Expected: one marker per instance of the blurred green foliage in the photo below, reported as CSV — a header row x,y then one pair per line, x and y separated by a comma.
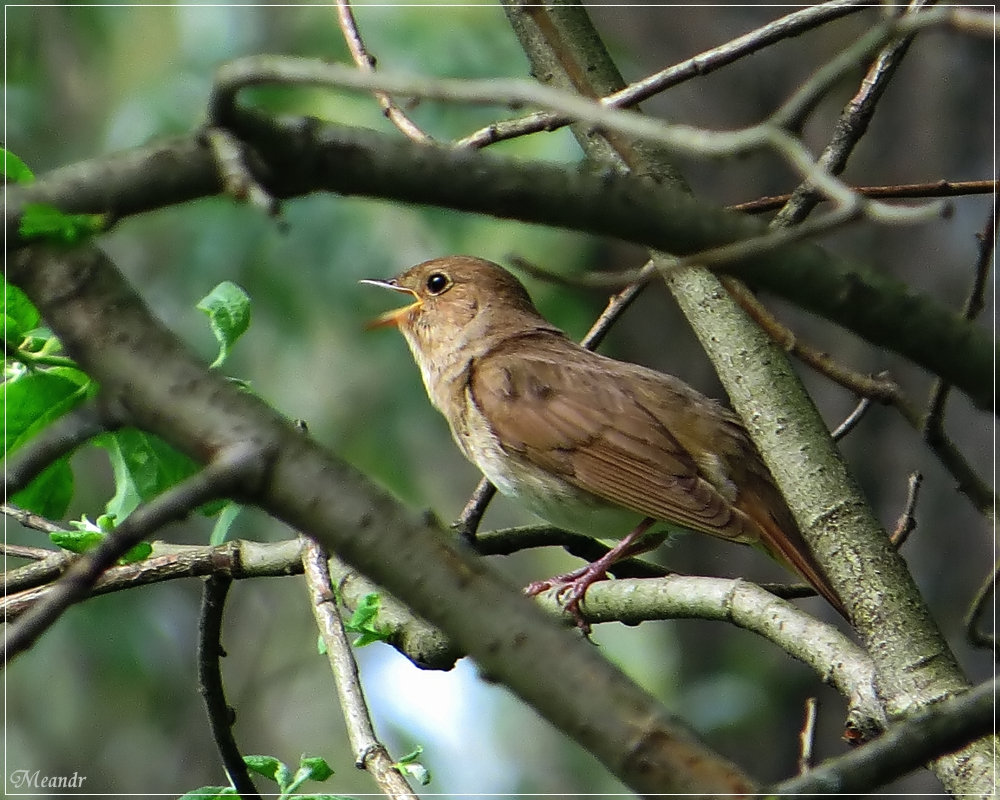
x,y
113,686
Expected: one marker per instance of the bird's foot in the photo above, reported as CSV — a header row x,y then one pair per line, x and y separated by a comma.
x,y
570,589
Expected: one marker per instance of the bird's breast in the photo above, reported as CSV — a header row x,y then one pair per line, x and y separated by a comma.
x,y
541,492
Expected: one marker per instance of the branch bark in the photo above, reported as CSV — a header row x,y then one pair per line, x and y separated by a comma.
x,y
296,157
202,414
915,666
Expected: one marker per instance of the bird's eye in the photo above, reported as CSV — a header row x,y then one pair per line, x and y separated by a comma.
x,y
437,282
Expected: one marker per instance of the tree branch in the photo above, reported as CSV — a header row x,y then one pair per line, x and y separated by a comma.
x,y
202,414
942,728
302,156
914,664
369,753
220,715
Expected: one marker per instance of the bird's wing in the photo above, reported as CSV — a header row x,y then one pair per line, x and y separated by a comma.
x,y
572,418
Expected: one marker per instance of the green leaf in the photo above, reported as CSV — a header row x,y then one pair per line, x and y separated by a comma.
x,y
35,399
228,309
362,621
49,494
144,465
227,515
44,221
268,766
410,767
14,169
19,308
315,767
79,541
87,535
139,552
32,400
209,793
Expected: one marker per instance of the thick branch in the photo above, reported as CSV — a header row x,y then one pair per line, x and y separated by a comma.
x,y
297,157
202,414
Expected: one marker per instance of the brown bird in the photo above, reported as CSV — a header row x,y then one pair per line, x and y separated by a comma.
x,y
591,444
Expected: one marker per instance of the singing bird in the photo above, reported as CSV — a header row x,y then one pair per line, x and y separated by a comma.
x,y
589,443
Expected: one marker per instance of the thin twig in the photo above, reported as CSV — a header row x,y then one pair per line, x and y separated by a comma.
x,y
986,592
370,753
851,420
468,521
702,64
366,63
877,387
941,188
220,714
30,520
218,478
907,521
257,70
236,558
933,423
940,728
853,122
237,181
807,736
22,551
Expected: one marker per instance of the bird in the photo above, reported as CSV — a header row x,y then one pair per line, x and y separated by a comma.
x,y
589,443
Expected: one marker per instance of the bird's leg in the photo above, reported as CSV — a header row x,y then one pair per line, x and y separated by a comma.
x,y
572,586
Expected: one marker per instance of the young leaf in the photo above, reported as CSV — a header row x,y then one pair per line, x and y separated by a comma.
x,y
143,465
228,309
14,169
209,793
315,767
268,766
44,221
362,621
79,541
410,767
19,309
32,400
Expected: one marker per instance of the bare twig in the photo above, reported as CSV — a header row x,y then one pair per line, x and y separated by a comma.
x,y
237,180
218,478
468,521
853,121
220,714
878,387
257,70
807,736
942,188
933,422
370,753
366,63
29,519
941,728
907,521
22,551
851,420
976,636
702,64
236,558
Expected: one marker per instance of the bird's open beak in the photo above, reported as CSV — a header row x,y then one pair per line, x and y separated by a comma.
x,y
395,316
